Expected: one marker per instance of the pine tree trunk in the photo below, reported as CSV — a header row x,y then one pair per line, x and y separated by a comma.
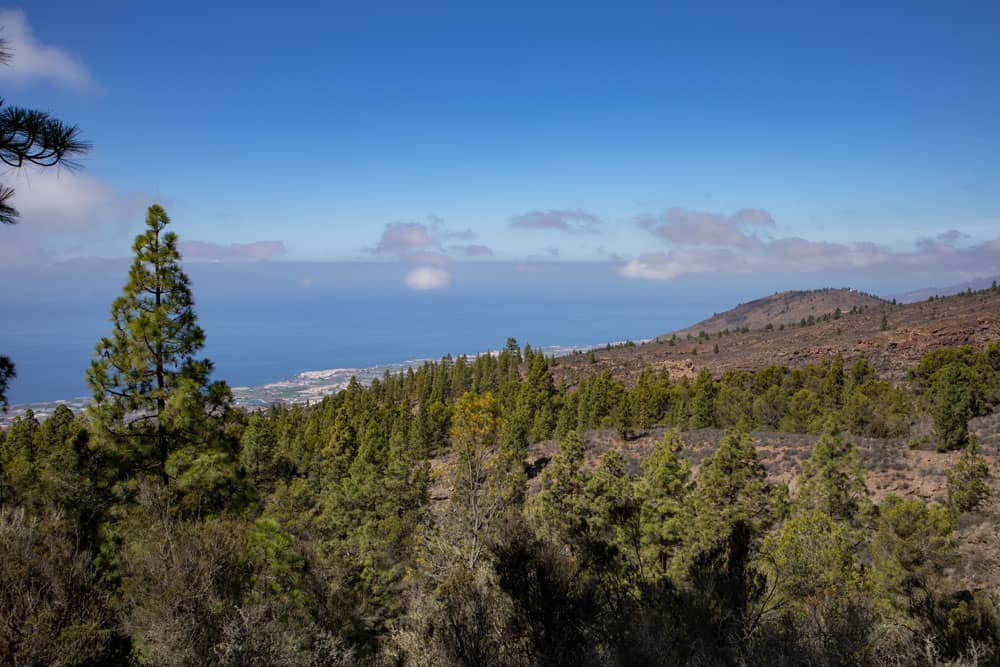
x,y
161,440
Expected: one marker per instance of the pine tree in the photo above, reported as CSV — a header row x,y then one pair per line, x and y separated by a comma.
x,y
661,490
832,479
153,402
484,479
623,416
953,402
613,545
31,137
367,521
703,404
968,480
257,450
913,545
833,386
560,506
17,458
732,488
812,555
804,411
8,371
536,399
645,401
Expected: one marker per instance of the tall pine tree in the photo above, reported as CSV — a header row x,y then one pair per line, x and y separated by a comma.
x,y
153,403
732,488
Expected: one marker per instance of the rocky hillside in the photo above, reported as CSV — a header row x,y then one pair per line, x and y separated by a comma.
x,y
784,308
891,337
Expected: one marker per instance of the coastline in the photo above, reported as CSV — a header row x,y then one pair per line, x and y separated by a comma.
x,y
307,386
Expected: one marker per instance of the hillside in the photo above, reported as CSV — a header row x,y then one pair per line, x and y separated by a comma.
x,y
891,337
892,467
950,290
786,308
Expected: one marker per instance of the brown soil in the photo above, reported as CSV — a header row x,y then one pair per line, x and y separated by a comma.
x,y
785,308
910,331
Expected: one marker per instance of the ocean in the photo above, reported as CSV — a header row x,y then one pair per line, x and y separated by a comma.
x,y
276,337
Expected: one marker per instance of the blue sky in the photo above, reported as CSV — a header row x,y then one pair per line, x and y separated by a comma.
x,y
853,144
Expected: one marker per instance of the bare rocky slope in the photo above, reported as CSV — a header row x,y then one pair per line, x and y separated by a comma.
x,y
783,308
891,337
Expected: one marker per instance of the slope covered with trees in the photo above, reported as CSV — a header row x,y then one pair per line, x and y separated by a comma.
x,y
402,523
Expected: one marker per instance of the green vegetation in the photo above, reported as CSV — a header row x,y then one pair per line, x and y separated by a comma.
x,y
154,410
396,523
832,479
968,480
8,371
957,384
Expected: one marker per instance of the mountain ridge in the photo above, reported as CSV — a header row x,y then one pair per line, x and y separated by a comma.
x,y
787,307
925,293
891,337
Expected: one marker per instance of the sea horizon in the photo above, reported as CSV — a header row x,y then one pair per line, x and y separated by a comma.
x,y
276,343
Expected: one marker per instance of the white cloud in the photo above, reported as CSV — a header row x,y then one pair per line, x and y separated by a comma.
x,y
419,243
427,278
401,238
64,201
67,213
33,60
216,251
563,220
703,242
687,227
796,255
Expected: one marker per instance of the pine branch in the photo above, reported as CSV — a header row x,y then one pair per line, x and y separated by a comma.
x,y
28,136
34,137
